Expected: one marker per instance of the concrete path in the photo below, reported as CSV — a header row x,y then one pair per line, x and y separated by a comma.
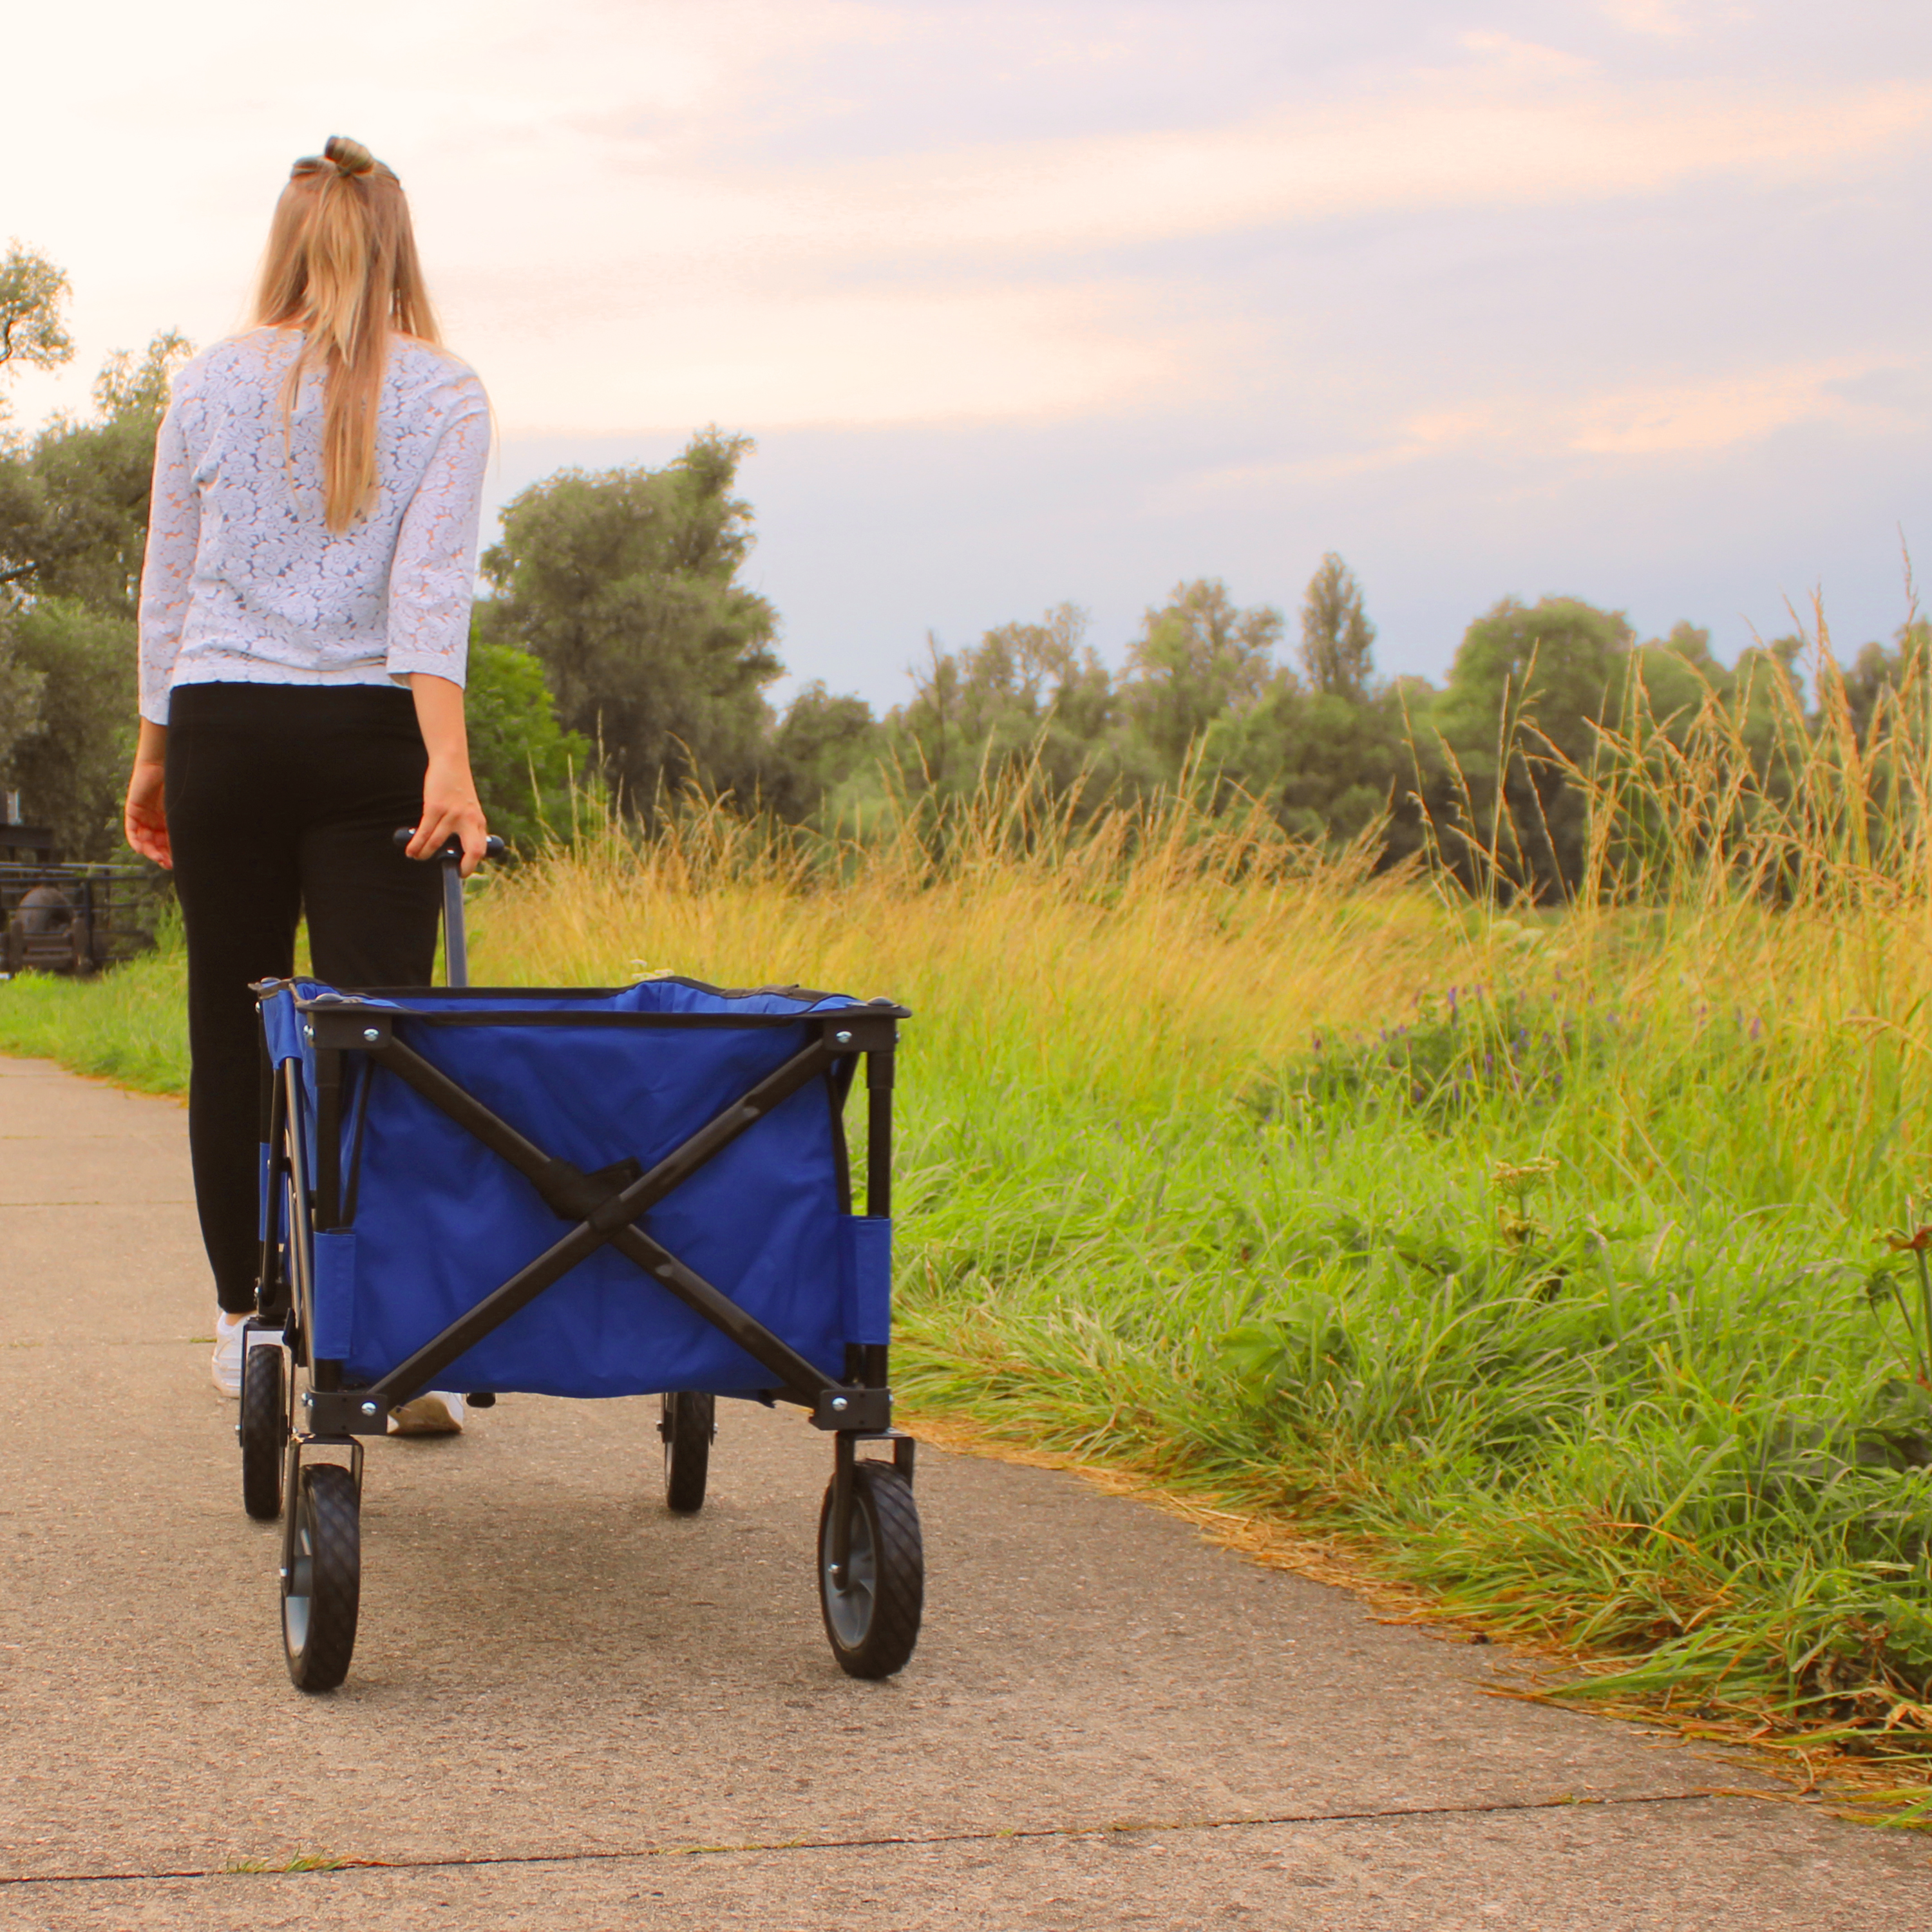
x,y
570,1709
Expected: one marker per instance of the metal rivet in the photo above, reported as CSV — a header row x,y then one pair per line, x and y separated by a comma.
x,y
839,1405
308,1399
843,1039
368,1409
370,1033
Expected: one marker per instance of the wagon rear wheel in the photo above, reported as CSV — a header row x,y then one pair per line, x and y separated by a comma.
x,y
688,1425
263,1428
872,1603
321,1586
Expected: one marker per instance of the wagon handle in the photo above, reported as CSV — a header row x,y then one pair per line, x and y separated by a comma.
x,y
455,948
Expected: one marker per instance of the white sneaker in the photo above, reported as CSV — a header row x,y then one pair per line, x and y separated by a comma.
x,y
226,1369
434,1412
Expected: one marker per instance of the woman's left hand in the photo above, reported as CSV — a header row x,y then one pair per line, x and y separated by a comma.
x,y
144,822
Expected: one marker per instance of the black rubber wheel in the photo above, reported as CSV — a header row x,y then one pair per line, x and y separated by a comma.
x,y
688,1424
872,1612
322,1588
263,1428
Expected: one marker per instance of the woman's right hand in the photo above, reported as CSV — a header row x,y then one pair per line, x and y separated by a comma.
x,y
450,811
145,821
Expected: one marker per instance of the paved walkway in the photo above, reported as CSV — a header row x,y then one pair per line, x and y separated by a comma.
x,y
569,1709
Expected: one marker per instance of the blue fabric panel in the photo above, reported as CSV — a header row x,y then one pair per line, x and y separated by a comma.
x,y
866,1244
440,1222
334,1295
282,1024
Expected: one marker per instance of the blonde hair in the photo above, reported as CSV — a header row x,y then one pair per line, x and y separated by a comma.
x,y
341,267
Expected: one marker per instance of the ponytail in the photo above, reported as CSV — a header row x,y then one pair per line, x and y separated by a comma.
x,y
341,267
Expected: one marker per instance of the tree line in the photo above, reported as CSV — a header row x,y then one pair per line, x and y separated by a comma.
x,y
617,646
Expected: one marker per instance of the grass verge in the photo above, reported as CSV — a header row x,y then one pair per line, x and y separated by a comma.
x,y
1538,1265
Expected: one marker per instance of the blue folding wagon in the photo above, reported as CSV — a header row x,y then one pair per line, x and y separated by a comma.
x,y
642,1191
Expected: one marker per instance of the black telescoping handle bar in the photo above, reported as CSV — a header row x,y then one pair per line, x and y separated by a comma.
x,y
455,946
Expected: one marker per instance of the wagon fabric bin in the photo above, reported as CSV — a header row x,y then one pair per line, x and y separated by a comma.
x,y
582,1194
435,1219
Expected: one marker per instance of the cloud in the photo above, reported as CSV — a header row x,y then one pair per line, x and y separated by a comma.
x,y
1663,18
1728,411
1515,124
855,358
634,221
1724,412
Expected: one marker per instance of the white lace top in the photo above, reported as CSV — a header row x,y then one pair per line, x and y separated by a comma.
x,y
244,582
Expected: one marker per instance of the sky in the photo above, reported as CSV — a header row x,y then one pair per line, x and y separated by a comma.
x,y
1060,301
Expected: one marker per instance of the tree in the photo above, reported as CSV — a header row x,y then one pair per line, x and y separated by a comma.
x,y
1026,694
1877,674
1559,666
1198,656
32,292
525,763
817,745
71,763
73,516
624,584
74,510
20,688
1337,640
1326,765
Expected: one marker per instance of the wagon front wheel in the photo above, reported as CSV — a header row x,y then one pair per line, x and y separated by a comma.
x,y
263,1428
872,1602
689,1423
322,1585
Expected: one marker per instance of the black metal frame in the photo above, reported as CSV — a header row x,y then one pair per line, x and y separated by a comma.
x,y
352,1038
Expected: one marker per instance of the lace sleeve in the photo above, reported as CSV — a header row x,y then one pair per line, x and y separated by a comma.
x,y
432,580
167,570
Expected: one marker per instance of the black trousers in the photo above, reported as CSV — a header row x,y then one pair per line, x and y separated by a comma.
x,y
283,800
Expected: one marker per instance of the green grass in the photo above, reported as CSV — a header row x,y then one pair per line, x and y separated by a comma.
x,y
1593,1360
1541,1263
129,1025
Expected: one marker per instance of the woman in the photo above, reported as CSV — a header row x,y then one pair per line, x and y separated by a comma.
x,y
304,625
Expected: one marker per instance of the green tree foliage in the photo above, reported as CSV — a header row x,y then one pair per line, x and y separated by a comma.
x,y
1025,695
1198,656
20,687
1562,665
620,636
1330,758
73,508
32,293
820,744
1878,672
74,515
525,763
70,765
624,584
1337,640
1327,766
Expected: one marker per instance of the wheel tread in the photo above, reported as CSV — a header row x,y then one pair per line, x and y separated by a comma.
x,y
262,1428
689,1418
335,1579
899,1600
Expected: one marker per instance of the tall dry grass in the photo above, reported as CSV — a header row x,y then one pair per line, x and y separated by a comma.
x,y
1147,951
1536,1253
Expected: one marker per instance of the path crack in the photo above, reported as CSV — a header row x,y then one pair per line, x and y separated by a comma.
x,y
1123,1828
